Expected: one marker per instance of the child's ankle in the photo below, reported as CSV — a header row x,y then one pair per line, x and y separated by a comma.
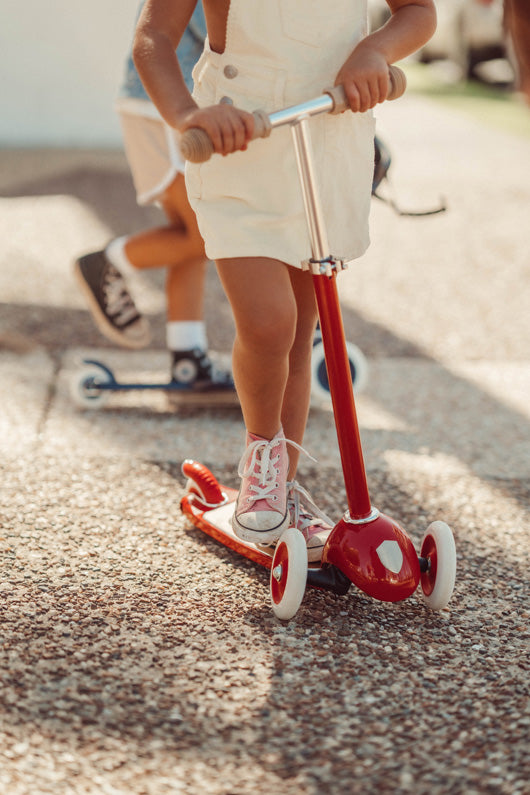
x,y
115,253
256,437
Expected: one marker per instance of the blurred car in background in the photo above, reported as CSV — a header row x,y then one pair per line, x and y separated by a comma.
x,y
469,32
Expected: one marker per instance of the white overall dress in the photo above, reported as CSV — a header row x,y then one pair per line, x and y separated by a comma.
x,y
249,204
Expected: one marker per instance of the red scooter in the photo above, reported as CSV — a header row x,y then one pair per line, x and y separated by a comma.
x,y
365,547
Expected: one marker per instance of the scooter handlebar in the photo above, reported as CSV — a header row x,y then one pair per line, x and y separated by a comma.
x,y
398,84
196,146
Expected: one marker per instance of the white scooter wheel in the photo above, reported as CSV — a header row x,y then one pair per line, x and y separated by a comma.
x,y
438,582
319,377
84,388
288,574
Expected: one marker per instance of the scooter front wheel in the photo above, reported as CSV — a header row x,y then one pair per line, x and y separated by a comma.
x,y
438,581
320,390
85,387
288,574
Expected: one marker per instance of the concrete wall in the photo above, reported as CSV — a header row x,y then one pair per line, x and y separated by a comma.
x,y
61,62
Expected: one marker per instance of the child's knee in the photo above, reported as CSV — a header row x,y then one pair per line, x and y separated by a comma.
x,y
189,236
272,331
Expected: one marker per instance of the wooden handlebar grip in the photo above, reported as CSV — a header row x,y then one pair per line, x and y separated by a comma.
x,y
196,146
398,84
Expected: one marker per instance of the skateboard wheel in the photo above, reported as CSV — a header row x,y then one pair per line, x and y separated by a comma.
x,y
319,376
84,387
438,582
288,574
203,484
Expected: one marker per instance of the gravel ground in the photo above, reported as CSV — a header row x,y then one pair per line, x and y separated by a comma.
x,y
139,657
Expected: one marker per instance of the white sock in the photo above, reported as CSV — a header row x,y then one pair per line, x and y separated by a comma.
x,y
115,252
184,335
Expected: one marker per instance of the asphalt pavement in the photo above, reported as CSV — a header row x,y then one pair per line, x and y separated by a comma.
x,y
139,657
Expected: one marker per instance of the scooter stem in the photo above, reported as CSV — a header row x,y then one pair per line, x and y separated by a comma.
x,y
340,385
332,329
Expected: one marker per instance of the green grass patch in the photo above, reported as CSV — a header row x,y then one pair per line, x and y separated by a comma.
x,y
495,107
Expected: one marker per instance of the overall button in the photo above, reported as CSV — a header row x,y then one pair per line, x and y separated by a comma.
x,y
230,71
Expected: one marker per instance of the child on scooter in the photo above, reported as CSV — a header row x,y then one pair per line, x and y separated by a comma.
x,y
269,54
158,172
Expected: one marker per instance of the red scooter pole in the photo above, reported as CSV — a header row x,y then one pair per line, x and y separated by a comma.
x,y
324,268
338,369
368,547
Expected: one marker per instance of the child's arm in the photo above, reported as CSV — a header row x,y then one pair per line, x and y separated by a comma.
x,y
365,74
159,30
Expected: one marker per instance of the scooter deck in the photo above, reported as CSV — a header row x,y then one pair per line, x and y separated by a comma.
x,y
180,394
216,522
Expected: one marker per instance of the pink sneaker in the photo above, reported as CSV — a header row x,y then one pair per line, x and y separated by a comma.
x,y
313,523
261,513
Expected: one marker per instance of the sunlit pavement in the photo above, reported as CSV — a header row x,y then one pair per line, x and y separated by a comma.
x,y
140,657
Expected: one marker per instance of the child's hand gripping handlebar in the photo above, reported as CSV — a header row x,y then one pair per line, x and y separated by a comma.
x,y
196,146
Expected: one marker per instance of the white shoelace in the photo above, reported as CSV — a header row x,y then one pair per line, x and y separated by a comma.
x,y
265,465
299,499
119,303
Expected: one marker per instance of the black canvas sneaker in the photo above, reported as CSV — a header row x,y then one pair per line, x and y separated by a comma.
x,y
196,370
110,303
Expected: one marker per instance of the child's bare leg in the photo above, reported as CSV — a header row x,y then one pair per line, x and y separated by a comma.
x,y
314,525
185,291
169,245
180,248
264,308
297,395
275,312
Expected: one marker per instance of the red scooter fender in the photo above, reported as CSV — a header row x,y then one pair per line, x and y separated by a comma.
x,y
376,555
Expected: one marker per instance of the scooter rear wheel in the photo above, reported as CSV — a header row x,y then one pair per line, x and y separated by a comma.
x,y
288,574
320,390
438,582
84,387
